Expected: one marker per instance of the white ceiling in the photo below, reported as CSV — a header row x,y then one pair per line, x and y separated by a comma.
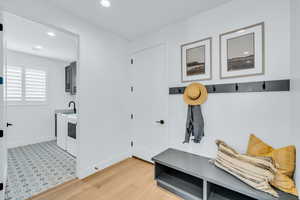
x,y
22,35
132,18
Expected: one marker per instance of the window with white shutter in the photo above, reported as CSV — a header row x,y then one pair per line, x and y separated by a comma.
x,y
35,85
13,81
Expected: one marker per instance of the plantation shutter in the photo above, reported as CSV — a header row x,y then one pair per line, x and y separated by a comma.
x,y
35,85
14,84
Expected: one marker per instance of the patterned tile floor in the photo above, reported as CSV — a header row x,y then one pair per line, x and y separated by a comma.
x,y
36,168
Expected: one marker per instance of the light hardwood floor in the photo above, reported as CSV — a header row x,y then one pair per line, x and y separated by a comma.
x,y
131,179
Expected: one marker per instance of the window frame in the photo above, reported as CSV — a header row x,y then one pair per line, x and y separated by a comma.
x,y
23,101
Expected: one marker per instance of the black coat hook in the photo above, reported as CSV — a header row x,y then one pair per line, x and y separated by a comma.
x,y
264,85
214,88
236,87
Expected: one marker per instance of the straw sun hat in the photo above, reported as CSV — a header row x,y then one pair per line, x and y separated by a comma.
x,y
195,94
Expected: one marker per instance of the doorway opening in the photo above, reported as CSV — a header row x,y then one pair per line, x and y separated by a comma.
x,y
41,81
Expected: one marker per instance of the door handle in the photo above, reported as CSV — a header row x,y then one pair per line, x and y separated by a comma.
x,y
160,122
8,124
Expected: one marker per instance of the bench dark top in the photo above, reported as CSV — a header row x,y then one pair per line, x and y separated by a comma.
x,y
200,167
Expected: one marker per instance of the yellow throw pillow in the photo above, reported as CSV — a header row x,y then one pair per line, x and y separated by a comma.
x,y
284,183
256,147
285,161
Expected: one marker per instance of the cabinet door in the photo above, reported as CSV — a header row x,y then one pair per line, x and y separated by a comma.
x,y
68,71
73,78
62,131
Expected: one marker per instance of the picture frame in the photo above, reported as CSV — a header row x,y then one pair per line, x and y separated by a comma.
x,y
242,52
196,60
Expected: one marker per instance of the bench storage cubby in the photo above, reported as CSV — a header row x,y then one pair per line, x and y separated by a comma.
x,y
193,177
182,184
221,193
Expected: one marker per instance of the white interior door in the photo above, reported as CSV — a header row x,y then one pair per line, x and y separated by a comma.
x,y
149,98
3,160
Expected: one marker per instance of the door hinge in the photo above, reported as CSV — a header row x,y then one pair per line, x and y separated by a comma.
x,y
1,27
131,144
131,116
1,186
1,133
131,61
131,88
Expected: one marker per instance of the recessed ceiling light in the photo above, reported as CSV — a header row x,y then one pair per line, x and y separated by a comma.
x,y
37,47
242,31
51,34
105,3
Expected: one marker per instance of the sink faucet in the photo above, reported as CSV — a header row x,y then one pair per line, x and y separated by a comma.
x,y
74,105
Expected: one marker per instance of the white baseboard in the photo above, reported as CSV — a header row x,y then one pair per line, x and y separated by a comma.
x,y
12,144
103,164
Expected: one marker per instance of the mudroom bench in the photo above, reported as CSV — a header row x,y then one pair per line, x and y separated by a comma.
x,y
193,177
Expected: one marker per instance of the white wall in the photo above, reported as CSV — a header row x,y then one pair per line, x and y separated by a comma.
x,y
35,123
295,71
102,84
231,117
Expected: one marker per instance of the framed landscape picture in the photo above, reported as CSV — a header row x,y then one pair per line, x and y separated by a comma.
x,y
242,52
196,60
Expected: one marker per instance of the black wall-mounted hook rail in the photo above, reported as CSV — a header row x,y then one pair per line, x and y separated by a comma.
x,y
260,86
